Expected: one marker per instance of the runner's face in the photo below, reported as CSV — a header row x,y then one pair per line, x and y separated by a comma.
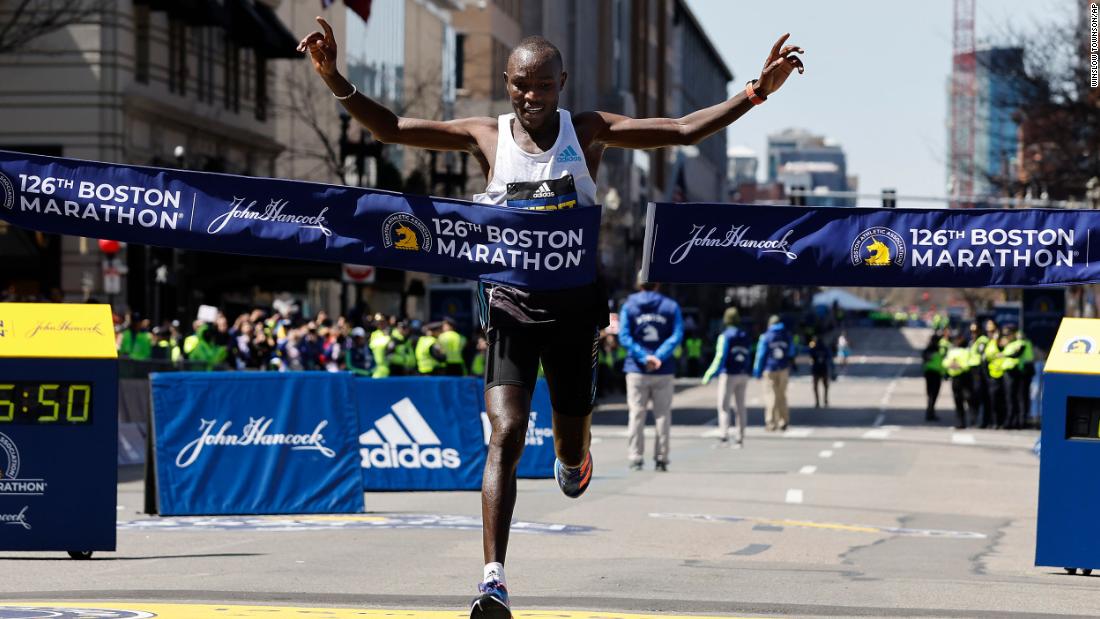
x,y
534,83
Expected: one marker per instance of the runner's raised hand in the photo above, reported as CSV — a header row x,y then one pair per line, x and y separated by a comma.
x,y
779,65
321,48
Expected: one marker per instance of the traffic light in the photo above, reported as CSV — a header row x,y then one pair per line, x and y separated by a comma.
x,y
798,195
889,198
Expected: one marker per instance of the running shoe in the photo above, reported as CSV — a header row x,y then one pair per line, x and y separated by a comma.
x,y
492,603
573,482
661,466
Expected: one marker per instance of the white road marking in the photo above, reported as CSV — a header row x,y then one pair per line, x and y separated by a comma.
x,y
963,439
798,432
809,469
794,495
838,444
825,453
880,433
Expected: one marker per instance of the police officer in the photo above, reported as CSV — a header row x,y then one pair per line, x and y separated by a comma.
x,y
995,372
453,344
732,365
933,373
1012,362
430,357
774,358
477,365
403,354
956,364
1027,363
979,378
693,347
381,347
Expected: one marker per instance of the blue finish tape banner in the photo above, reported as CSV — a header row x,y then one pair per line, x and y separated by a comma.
x,y
420,433
297,219
538,457
790,245
256,443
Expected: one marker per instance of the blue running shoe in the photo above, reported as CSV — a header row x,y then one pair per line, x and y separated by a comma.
x,y
573,482
492,603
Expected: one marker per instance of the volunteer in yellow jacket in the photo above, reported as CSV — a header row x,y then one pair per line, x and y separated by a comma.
x,y
539,156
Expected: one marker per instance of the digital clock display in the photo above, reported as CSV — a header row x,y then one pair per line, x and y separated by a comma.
x,y
45,403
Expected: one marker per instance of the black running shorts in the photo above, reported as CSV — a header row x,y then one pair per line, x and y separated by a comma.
x,y
568,354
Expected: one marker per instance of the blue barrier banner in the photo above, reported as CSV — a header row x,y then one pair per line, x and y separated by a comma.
x,y
256,443
791,245
538,451
297,219
420,433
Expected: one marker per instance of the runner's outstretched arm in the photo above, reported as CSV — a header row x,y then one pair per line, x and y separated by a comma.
x,y
384,125
625,132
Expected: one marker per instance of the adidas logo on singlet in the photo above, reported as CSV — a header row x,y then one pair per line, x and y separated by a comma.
x,y
569,154
543,191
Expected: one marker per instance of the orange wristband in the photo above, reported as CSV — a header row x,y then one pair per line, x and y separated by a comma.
x,y
751,94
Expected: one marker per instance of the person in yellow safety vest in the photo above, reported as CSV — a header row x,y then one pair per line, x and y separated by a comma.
x,y
956,366
381,347
693,345
164,349
136,342
477,366
1027,363
994,363
402,359
1014,377
430,357
932,356
453,343
979,378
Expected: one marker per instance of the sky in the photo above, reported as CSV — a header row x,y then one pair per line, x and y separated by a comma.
x,y
875,81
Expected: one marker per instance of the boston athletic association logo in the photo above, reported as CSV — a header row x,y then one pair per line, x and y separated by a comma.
x,y
10,463
405,231
878,247
1080,345
7,193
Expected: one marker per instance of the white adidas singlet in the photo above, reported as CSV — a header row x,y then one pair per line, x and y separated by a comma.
x,y
513,164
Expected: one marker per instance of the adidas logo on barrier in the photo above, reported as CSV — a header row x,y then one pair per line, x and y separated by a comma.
x,y
543,191
569,154
404,440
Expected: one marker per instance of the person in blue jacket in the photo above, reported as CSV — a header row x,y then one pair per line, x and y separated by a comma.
x,y
774,358
650,329
732,363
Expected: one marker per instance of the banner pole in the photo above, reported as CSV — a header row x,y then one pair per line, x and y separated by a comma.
x,y
650,237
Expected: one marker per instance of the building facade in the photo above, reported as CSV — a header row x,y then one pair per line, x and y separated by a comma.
x,y
179,84
800,159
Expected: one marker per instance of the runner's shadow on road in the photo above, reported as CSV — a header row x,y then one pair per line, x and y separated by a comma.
x,y
62,557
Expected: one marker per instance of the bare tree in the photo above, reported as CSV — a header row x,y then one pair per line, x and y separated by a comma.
x,y
1056,110
301,103
22,21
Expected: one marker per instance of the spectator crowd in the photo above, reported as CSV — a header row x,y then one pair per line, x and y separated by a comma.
x,y
262,340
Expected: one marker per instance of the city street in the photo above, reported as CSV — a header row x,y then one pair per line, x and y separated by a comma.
x,y
857,510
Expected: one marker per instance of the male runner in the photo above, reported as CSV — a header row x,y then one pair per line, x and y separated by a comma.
x,y
538,157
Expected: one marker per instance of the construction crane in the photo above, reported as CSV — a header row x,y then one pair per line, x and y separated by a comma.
x,y
964,94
